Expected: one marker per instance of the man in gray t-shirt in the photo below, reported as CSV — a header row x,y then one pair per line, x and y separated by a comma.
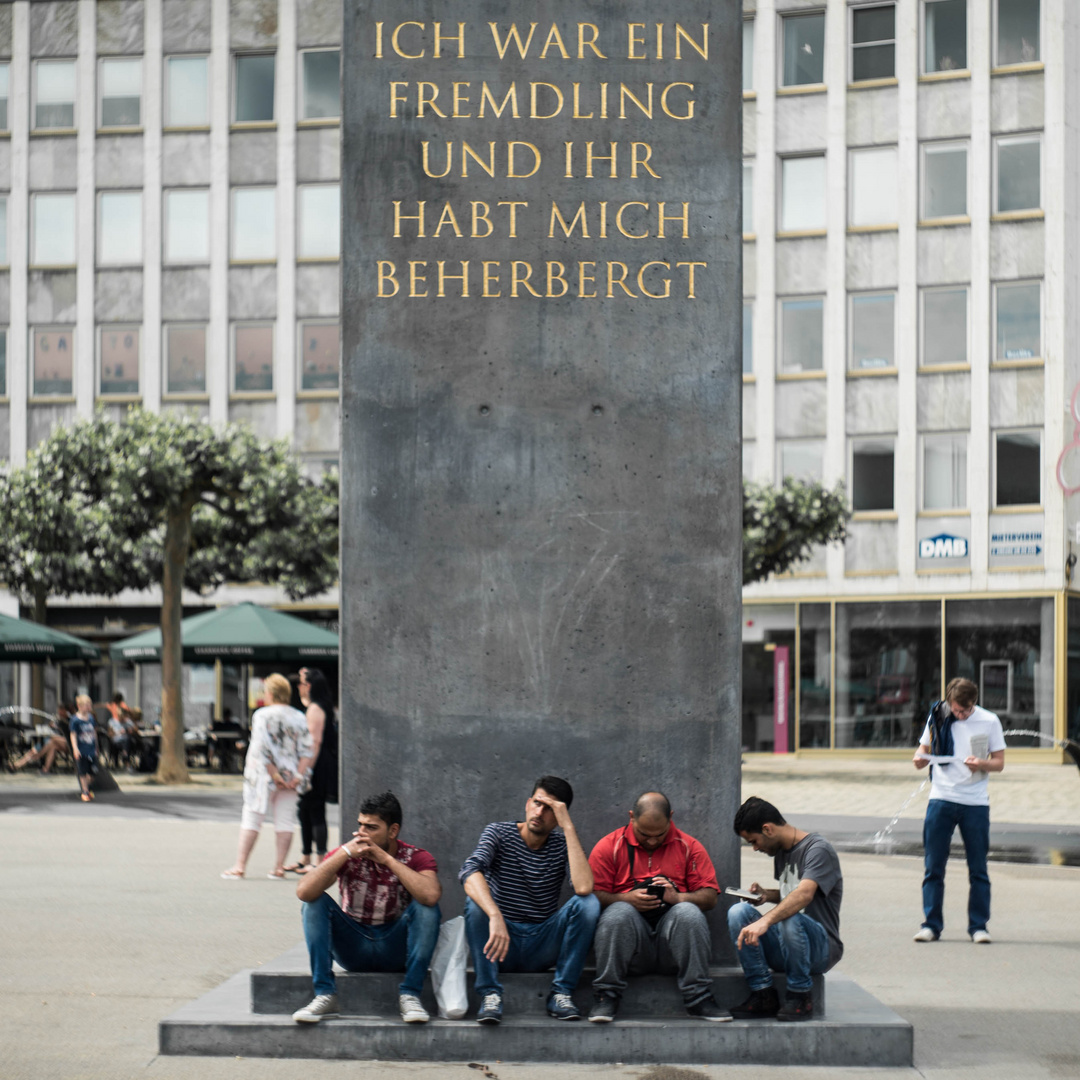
x,y
800,936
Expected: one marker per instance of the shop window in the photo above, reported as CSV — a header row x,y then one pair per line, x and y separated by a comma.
x,y
54,94
873,186
254,224
187,91
873,331
802,195
1017,468
748,54
766,629
801,335
121,92
118,350
801,459
888,671
747,198
944,187
815,677
944,471
5,82
1018,316
319,227
320,84
53,240
320,355
1017,171
253,358
748,338
873,42
54,361
1017,31
254,87
804,49
945,35
872,474
185,359
944,326
1006,647
120,228
187,225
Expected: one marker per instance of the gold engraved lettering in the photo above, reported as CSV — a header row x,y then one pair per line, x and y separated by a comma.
x,y
513,216
568,175
447,218
556,275
577,104
613,157
378,41
612,280
690,271
582,40
416,279
689,115
641,281
511,163
659,41
579,218
426,162
490,280
459,37
684,217
386,276
515,280
468,152
603,221
459,100
621,228
511,97
681,35
478,216
554,38
603,101
421,100
635,161
397,47
513,34
634,40
625,93
418,217
583,279
532,111
463,277
395,97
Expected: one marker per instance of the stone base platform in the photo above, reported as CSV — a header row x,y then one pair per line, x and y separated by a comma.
x,y
249,1015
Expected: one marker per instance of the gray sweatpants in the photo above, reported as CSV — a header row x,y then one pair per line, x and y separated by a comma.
x,y
625,944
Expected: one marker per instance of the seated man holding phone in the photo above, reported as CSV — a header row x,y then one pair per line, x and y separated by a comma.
x,y
654,884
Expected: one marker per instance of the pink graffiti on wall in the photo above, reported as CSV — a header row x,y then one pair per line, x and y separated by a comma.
x,y
1071,487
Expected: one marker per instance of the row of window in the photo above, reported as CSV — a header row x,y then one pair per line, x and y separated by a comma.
x,y
184,358
187,90
943,41
185,233
874,178
944,329
943,478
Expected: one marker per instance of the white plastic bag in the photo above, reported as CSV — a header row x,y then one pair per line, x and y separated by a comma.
x,y
448,969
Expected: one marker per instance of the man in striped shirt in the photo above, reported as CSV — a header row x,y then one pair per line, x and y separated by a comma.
x,y
512,916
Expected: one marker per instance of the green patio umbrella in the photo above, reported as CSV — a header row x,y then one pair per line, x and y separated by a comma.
x,y
246,634
22,640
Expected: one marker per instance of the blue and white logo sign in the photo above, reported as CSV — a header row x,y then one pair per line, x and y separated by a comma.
x,y
943,546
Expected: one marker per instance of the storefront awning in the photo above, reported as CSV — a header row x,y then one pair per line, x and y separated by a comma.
x,y
31,642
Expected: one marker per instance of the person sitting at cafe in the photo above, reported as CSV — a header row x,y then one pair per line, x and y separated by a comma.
x,y
57,743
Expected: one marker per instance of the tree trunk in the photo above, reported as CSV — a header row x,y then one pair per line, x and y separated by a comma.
x,y
37,671
172,765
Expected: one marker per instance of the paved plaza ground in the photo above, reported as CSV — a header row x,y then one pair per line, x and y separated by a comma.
x,y
114,916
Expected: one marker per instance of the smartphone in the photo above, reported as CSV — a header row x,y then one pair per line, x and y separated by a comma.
x,y
655,890
743,893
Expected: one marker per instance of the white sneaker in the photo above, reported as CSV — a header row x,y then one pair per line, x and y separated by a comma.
x,y
412,1012
321,1007
925,934
981,937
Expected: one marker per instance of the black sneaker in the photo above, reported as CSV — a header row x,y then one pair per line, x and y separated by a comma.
x,y
797,1007
562,1007
605,1006
707,1009
760,1005
490,1011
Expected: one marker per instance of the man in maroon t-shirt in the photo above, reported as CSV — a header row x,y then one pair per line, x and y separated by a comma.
x,y
389,914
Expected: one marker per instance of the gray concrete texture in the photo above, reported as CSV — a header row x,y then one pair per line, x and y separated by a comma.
x,y
541,497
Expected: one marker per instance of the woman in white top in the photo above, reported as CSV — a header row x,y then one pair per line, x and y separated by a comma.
x,y
276,771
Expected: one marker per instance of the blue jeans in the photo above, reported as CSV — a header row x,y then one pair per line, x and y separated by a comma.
x,y
562,941
798,946
406,944
942,817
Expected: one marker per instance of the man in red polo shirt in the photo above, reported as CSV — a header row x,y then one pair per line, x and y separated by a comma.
x,y
654,884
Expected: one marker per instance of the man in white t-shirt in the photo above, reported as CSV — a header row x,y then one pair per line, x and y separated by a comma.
x,y
963,744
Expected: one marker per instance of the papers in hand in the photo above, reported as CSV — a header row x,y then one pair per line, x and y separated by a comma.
x,y
939,759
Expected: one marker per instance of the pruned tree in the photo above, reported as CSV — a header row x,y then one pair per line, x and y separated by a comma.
x,y
782,525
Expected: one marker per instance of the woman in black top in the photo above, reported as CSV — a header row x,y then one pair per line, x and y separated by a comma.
x,y
315,696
